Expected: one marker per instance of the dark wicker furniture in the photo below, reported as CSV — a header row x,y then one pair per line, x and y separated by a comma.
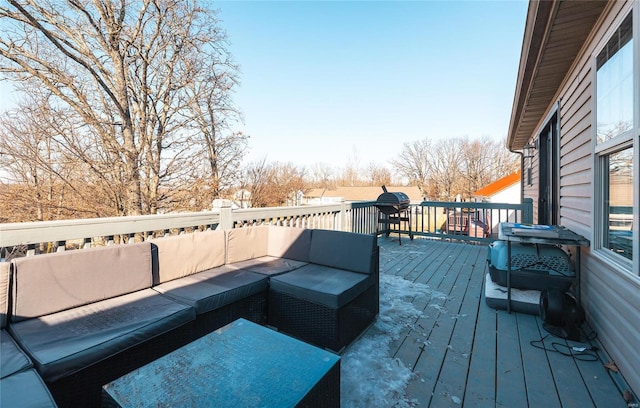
x,y
331,301
87,317
241,365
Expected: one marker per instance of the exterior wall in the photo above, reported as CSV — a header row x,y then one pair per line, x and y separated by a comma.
x,y
610,296
510,194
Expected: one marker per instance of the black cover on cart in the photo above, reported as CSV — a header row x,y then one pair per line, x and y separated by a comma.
x,y
541,263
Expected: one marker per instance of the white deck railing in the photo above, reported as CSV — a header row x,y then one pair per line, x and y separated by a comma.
x,y
29,238
433,219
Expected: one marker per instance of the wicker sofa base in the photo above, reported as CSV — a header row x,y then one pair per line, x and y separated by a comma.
x,y
263,250
253,308
329,328
84,388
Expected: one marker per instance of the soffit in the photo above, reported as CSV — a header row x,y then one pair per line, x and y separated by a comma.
x,y
555,31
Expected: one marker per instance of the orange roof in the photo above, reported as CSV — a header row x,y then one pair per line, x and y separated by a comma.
x,y
498,185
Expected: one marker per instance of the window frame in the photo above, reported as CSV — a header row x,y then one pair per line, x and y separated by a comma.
x,y
601,151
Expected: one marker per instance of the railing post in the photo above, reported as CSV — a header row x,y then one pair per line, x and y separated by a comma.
x,y
342,215
527,211
226,218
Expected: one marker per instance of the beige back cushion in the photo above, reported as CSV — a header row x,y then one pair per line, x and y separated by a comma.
x,y
184,255
4,292
289,242
46,284
247,243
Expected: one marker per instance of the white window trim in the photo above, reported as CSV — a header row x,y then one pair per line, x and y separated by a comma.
x,y
636,127
627,139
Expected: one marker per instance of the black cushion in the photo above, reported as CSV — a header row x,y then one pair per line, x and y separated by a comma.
x,y
65,342
208,290
328,286
25,389
12,359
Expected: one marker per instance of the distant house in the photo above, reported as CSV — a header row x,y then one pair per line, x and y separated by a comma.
x,y
359,193
504,190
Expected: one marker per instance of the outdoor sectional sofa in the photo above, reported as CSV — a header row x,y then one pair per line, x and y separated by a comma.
x,y
86,317
20,384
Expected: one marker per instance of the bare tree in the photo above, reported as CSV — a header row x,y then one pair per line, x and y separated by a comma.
x,y
351,173
484,161
254,179
273,184
445,169
378,175
39,172
125,72
220,148
449,167
413,163
322,175
287,181
32,167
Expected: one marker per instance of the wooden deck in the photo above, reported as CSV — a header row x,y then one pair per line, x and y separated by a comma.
x,y
464,353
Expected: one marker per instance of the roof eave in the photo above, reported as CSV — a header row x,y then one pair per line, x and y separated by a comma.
x,y
541,72
536,27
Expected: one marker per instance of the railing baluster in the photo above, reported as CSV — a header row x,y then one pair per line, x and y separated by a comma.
x,y
461,223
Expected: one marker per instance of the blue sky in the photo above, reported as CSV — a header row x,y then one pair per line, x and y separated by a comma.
x,y
340,82
330,81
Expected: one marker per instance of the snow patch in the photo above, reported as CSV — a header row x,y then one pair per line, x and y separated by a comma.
x,y
370,376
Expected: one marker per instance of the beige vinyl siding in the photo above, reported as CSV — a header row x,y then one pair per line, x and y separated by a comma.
x,y
610,295
576,152
611,302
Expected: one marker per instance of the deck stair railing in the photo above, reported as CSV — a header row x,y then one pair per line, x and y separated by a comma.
x,y
431,219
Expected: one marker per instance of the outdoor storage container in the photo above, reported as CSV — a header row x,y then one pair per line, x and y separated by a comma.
x,y
536,266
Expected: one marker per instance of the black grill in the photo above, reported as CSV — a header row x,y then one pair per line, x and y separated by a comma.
x,y
394,209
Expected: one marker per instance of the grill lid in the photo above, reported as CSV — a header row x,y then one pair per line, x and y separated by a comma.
x,y
393,198
396,198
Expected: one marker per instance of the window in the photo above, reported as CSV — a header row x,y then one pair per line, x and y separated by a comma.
x,y
618,202
615,84
616,147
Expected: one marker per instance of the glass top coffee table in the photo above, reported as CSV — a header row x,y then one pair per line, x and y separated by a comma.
x,y
240,365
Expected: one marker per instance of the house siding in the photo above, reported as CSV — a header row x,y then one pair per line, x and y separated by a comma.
x,y
610,295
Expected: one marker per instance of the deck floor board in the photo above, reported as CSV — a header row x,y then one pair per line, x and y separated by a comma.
x,y
481,376
464,353
541,390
